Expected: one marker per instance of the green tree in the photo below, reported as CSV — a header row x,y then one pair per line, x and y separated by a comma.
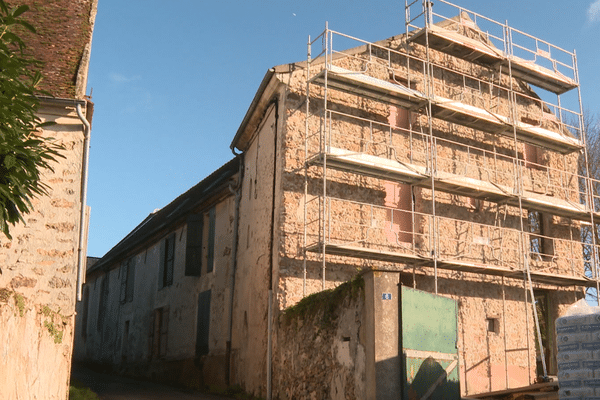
x,y
24,153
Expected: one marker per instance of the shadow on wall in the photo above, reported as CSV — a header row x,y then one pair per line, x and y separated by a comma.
x,y
430,374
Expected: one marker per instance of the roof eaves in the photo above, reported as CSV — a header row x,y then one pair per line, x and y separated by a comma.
x,y
169,215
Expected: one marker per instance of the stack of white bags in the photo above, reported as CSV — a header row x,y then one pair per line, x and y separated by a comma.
x,y
578,342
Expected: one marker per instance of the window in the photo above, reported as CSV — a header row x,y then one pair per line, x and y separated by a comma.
x,y
399,223
86,305
127,280
474,204
203,324
167,261
541,247
493,324
533,157
210,250
125,348
193,251
159,327
399,118
102,302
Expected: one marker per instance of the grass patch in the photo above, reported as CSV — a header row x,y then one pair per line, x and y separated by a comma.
x,y
20,303
77,391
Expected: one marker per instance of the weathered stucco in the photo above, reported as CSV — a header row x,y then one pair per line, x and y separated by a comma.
x,y
124,340
284,190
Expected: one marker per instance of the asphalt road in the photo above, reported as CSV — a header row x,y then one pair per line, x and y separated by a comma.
x,y
114,387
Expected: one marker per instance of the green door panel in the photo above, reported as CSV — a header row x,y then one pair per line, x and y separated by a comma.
x,y
428,337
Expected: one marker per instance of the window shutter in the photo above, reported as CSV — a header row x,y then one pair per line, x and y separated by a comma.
x,y
102,303
123,272
170,261
203,327
161,265
193,251
156,332
210,252
86,305
130,279
151,335
164,330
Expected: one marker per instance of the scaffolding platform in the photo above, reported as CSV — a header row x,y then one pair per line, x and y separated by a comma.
x,y
446,109
385,168
459,45
447,264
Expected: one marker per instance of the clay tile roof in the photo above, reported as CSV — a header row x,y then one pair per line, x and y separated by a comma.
x,y
63,42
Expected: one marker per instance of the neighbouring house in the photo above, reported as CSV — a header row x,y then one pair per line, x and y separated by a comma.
x,y
425,177
39,266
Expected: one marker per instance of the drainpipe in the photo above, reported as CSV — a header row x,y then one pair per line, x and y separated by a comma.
x,y
84,180
237,191
275,102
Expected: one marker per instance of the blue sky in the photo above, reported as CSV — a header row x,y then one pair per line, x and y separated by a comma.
x,y
172,81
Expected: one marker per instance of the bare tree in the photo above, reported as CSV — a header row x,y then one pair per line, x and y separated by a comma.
x,y
591,130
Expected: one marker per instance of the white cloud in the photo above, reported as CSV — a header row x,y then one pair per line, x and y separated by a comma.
x,y
120,78
593,12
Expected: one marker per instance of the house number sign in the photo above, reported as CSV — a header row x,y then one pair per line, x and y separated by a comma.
x,y
386,296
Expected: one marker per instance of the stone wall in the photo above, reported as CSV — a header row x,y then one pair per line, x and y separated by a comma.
x,y
320,348
38,274
467,230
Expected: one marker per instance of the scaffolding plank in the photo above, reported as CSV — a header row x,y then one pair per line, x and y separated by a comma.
x,y
366,164
461,46
457,45
377,89
385,168
539,76
452,265
446,109
481,119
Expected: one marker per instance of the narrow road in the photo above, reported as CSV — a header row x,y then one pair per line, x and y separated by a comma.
x,y
114,387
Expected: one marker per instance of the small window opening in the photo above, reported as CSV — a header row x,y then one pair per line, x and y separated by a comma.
x,y
492,324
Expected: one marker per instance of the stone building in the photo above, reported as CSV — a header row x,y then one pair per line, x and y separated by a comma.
x,y
432,166
38,267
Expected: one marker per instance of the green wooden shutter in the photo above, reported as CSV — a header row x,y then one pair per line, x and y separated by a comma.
x,y
102,302
170,259
203,326
164,331
123,272
193,251
130,279
210,251
161,265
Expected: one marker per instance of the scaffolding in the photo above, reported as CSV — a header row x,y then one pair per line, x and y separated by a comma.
x,y
473,130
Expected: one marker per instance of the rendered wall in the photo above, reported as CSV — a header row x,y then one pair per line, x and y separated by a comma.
x,y
250,322
132,353
38,275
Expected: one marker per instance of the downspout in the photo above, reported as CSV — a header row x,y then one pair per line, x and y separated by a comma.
x,y
84,181
275,102
237,191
